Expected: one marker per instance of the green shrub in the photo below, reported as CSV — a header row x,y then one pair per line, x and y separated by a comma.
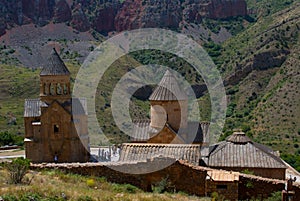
x,y
161,186
246,171
9,198
275,197
128,188
85,198
17,169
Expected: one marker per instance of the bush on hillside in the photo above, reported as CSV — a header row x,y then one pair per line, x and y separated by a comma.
x,y
17,169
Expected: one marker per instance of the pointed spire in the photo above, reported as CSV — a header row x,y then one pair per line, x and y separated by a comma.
x,y
168,89
54,65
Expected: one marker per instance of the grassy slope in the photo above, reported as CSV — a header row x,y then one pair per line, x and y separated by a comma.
x,y
16,85
263,103
266,101
55,185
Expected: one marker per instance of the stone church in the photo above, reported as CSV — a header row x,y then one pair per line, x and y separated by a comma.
x,y
168,133
55,123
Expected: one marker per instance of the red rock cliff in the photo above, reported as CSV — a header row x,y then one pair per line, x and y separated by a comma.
x,y
112,15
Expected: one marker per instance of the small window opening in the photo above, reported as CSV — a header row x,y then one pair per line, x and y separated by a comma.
x,y
221,186
59,89
65,89
56,128
52,89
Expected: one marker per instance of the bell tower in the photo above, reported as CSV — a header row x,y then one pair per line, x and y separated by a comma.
x,y
169,104
55,80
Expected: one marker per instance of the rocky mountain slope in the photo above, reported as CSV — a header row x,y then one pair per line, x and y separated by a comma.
x,y
258,55
114,15
261,70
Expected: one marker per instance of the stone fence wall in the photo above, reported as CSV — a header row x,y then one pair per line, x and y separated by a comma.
x,y
181,175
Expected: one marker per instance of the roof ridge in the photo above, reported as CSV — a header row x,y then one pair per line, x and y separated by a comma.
x,y
278,159
54,65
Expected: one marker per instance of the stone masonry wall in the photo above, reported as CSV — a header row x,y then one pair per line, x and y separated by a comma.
x,y
257,187
181,176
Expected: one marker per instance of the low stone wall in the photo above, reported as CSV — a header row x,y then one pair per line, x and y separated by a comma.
x,y
275,173
296,188
258,187
181,175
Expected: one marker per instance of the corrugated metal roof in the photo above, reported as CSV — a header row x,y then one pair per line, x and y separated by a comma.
x,y
32,107
143,151
168,89
248,154
142,131
54,65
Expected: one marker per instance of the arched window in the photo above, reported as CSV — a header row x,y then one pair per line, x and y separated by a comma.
x,y
45,89
52,89
56,128
59,89
65,89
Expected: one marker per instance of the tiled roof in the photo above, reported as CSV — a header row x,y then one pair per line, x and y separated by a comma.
x,y
238,138
54,65
142,131
237,151
168,89
221,175
32,107
144,151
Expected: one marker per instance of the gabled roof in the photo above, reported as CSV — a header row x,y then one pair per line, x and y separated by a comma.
x,y
168,89
142,131
32,107
143,151
239,151
54,65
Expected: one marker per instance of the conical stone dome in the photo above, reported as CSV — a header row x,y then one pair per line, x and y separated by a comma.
x,y
55,65
168,89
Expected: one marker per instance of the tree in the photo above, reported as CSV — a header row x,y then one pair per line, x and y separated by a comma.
x,y
6,138
17,169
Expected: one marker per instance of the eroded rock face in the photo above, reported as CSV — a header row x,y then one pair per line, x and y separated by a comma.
x,y
218,9
62,12
112,15
262,61
148,13
105,21
39,11
79,19
2,27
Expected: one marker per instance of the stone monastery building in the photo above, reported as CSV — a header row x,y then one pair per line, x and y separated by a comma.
x,y
170,134
56,124
56,130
